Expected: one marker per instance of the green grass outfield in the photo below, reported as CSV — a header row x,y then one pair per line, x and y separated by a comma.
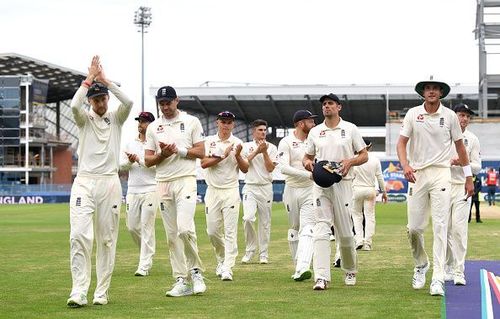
x,y
35,278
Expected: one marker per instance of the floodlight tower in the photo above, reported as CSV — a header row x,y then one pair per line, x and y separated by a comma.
x,y
143,20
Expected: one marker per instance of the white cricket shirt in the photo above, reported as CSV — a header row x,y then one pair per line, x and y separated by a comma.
x,y
369,174
431,136
257,173
335,144
291,152
471,143
99,137
225,173
184,130
141,179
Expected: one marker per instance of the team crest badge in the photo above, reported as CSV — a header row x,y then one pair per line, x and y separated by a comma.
x,y
182,127
441,121
342,133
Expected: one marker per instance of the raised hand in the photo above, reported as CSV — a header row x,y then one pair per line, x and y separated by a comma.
x,y
94,69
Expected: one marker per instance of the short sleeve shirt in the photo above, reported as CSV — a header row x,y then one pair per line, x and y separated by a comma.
x,y
185,130
225,173
257,172
431,136
335,144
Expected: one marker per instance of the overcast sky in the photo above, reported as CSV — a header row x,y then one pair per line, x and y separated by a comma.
x,y
258,41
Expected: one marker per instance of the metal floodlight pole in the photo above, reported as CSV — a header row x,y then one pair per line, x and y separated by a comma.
x,y
143,20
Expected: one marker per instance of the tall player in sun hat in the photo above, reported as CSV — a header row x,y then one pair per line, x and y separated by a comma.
x,y
141,201
222,199
297,195
259,160
96,193
334,140
428,133
173,142
459,209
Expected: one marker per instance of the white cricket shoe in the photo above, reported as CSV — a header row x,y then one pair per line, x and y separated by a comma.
x,y
321,284
77,301
263,260
350,279
141,273
459,279
180,289
248,256
218,269
100,300
301,275
418,281
437,288
226,275
448,276
199,286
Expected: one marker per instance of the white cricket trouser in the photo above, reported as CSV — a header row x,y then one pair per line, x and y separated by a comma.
x,y
141,216
430,195
178,205
222,207
257,199
363,198
299,206
333,204
100,196
457,229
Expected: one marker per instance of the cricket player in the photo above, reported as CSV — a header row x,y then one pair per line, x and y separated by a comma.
x,y
430,130
173,142
364,191
142,201
222,199
259,161
338,141
297,195
96,193
460,204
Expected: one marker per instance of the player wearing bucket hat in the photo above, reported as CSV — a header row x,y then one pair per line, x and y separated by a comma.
x,y
420,87
429,176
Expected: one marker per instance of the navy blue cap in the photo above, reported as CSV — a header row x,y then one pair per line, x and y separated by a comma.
x,y
97,89
330,96
226,115
166,93
463,108
302,115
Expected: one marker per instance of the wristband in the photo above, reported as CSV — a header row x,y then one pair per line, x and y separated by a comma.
x,y
86,84
182,151
467,170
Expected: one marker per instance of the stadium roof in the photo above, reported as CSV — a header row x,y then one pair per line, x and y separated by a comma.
x,y
364,105
63,82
